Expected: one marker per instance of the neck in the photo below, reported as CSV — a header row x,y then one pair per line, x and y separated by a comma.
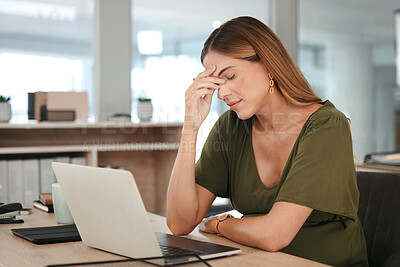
x,y
278,115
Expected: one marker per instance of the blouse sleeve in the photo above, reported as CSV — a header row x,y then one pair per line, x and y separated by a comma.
x,y
323,176
211,170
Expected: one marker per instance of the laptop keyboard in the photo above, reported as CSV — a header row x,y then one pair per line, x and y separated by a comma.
x,y
175,251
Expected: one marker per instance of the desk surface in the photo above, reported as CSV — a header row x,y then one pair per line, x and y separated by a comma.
x,y
377,168
15,251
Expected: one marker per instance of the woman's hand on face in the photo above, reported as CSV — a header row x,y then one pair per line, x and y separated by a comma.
x,y
208,225
198,98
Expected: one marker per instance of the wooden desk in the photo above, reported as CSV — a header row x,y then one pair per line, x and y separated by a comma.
x,y
16,252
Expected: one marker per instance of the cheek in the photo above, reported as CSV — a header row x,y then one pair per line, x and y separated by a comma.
x,y
260,89
254,81
254,91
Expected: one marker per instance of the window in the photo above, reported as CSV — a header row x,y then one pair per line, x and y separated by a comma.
x,y
346,50
45,46
40,73
184,26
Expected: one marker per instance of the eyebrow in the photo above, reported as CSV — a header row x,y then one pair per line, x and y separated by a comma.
x,y
224,69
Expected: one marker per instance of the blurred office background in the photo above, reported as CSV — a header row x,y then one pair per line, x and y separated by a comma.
x,y
346,48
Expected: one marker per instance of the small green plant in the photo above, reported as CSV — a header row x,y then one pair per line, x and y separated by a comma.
x,y
142,99
4,99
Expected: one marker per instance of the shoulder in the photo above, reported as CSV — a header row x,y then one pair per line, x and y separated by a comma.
x,y
327,116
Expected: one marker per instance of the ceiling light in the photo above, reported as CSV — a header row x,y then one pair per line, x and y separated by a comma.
x,y
216,24
38,10
150,42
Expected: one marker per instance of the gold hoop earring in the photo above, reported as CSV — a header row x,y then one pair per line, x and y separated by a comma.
x,y
271,83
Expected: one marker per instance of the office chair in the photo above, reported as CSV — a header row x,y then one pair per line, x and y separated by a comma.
x,y
379,213
218,209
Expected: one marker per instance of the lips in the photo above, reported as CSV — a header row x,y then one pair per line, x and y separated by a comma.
x,y
233,103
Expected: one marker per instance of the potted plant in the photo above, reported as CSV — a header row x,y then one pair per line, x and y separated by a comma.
x,y
144,109
5,109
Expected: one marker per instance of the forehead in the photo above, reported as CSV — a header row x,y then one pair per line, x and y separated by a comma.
x,y
220,60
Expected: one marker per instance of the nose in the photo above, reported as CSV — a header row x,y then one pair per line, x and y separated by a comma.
x,y
223,92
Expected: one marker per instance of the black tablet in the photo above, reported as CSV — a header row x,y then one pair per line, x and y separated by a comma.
x,y
49,234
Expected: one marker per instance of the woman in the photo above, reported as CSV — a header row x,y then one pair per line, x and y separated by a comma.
x,y
281,155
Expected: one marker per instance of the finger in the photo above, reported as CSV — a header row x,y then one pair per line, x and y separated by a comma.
x,y
205,84
207,72
202,226
195,95
205,91
202,86
208,98
213,79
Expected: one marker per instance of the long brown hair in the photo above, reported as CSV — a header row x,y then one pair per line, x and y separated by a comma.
x,y
249,39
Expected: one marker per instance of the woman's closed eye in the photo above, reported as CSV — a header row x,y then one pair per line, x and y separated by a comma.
x,y
231,77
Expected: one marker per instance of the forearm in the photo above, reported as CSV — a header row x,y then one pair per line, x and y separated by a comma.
x,y
270,232
182,195
253,231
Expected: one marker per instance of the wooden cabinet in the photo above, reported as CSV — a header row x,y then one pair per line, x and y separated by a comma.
x,y
148,150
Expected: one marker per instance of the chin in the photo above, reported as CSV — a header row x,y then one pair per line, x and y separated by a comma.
x,y
243,116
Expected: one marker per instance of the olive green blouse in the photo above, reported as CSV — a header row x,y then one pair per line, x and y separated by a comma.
x,y
319,174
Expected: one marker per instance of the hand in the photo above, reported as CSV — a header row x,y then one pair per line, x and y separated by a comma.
x,y
208,225
198,98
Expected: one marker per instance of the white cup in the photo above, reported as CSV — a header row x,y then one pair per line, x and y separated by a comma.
x,y
63,215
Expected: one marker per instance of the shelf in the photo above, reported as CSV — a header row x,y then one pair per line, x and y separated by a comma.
x,y
79,125
40,149
155,146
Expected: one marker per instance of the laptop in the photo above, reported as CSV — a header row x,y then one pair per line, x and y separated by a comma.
x,y
110,215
